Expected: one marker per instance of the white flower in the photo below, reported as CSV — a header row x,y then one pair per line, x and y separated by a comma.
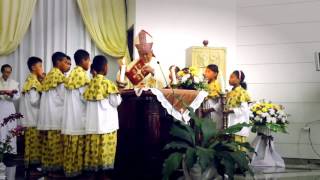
x,y
269,119
257,118
274,120
272,111
196,79
264,115
185,78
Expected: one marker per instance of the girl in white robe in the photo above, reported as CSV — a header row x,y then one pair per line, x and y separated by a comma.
x,y
237,105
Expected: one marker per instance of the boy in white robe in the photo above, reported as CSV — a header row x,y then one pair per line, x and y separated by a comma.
x,y
50,115
103,98
29,107
74,111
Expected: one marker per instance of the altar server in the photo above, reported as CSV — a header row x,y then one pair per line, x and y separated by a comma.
x,y
74,111
29,107
50,115
212,105
103,98
237,104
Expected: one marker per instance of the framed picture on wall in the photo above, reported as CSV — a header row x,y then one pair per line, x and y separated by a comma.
x,y
317,60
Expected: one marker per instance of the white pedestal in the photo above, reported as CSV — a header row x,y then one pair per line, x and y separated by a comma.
x,y
266,155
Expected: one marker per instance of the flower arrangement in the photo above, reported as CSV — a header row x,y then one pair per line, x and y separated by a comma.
x,y
5,146
190,78
268,115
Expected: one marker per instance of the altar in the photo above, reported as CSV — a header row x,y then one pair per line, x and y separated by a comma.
x,y
145,119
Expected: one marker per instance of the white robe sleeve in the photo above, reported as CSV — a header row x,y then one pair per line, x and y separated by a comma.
x,y
217,106
60,91
115,100
81,90
242,111
34,97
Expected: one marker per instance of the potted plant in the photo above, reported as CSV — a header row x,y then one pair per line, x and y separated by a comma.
x,y
203,152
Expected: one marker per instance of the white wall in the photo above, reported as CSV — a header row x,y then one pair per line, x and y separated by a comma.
x,y
177,25
276,41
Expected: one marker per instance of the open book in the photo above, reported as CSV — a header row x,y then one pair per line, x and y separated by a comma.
x,y
136,74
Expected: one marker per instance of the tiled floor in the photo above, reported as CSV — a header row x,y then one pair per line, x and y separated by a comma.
x,y
292,172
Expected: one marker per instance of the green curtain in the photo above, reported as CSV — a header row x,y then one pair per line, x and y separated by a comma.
x,y
15,17
105,21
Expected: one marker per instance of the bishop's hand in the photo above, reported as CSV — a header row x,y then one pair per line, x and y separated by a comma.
x,y
148,68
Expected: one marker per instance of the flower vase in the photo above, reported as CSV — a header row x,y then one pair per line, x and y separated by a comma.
x,y
263,131
265,154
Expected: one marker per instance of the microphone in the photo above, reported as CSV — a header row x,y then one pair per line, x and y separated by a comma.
x,y
164,77
173,94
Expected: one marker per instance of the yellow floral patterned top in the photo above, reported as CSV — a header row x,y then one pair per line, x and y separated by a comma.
x,y
31,82
53,79
236,97
214,89
76,79
99,88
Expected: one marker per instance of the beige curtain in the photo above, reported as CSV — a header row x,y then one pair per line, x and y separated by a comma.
x,y
105,21
15,17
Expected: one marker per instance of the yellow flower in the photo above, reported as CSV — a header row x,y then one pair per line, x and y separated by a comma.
x,y
264,109
181,73
193,71
259,112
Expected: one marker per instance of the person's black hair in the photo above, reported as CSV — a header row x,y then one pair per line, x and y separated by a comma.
x,y
68,57
57,56
176,68
80,55
99,62
240,75
32,61
5,66
213,68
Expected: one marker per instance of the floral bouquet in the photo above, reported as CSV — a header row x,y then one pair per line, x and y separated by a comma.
x,y
5,146
190,78
267,115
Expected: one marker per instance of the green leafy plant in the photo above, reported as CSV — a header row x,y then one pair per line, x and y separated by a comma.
x,y
199,145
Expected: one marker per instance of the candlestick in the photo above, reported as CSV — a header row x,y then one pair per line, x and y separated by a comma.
x,y
222,84
173,75
122,73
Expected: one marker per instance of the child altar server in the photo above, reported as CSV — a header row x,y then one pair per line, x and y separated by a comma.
x,y
237,105
74,111
102,123
212,106
50,115
29,107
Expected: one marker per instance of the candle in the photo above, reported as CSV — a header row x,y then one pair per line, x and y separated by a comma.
x,y
173,75
222,84
123,69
